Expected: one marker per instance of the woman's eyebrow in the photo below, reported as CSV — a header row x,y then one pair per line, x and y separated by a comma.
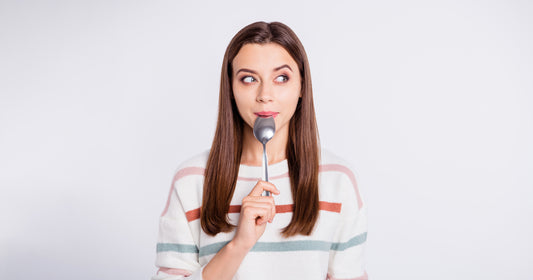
x,y
254,72
282,66
245,70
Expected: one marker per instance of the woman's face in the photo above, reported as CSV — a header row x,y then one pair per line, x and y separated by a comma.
x,y
266,82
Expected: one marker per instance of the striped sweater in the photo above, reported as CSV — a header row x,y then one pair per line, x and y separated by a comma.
x,y
335,249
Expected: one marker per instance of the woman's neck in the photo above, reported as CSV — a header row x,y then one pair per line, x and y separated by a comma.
x,y
252,149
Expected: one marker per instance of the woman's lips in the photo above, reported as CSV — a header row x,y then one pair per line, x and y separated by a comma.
x,y
266,114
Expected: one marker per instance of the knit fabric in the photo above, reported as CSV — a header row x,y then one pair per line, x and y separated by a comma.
x,y
335,249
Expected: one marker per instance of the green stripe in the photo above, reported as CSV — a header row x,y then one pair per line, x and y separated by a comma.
x,y
303,245
300,245
182,248
358,239
212,249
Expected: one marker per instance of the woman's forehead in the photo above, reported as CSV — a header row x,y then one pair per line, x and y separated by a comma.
x,y
265,57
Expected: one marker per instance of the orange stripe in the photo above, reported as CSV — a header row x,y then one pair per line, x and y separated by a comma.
x,y
193,214
285,208
330,206
234,209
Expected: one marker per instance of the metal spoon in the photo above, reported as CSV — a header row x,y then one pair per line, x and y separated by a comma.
x,y
264,129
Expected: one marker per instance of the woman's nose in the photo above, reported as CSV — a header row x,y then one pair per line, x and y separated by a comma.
x,y
264,94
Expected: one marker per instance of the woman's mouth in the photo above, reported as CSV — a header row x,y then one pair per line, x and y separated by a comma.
x,y
266,114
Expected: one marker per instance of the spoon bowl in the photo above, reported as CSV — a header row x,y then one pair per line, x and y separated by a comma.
x,y
264,129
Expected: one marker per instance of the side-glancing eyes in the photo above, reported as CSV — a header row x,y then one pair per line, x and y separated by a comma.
x,y
279,79
248,79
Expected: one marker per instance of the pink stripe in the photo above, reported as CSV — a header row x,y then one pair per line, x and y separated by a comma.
x,y
362,277
285,175
174,271
180,174
347,171
248,179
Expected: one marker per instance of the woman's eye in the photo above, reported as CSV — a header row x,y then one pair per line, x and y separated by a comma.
x,y
248,79
282,79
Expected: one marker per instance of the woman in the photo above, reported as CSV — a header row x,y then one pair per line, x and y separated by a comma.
x,y
217,224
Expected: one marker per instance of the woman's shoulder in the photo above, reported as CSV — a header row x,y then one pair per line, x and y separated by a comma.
x,y
190,172
338,176
329,158
196,161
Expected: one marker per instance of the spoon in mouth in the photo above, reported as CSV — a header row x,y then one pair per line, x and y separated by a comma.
x,y
264,129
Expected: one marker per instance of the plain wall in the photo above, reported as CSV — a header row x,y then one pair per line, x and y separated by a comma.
x,y
431,102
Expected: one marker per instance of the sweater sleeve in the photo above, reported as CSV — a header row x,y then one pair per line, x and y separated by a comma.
x,y
347,253
177,251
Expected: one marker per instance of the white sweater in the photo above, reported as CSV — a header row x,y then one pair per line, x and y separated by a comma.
x,y
335,249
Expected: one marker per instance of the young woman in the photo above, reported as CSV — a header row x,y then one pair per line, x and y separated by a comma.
x,y
218,225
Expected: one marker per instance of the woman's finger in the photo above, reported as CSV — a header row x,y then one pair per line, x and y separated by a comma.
x,y
273,213
263,186
268,199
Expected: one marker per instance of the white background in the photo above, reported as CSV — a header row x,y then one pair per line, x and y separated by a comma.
x,y
431,101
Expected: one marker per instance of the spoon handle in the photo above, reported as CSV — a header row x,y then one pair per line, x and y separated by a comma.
x,y
266,193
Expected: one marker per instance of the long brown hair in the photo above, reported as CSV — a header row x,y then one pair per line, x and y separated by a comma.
x,y
302,146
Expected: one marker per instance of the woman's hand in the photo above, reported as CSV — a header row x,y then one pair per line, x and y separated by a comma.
x,y
256,211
